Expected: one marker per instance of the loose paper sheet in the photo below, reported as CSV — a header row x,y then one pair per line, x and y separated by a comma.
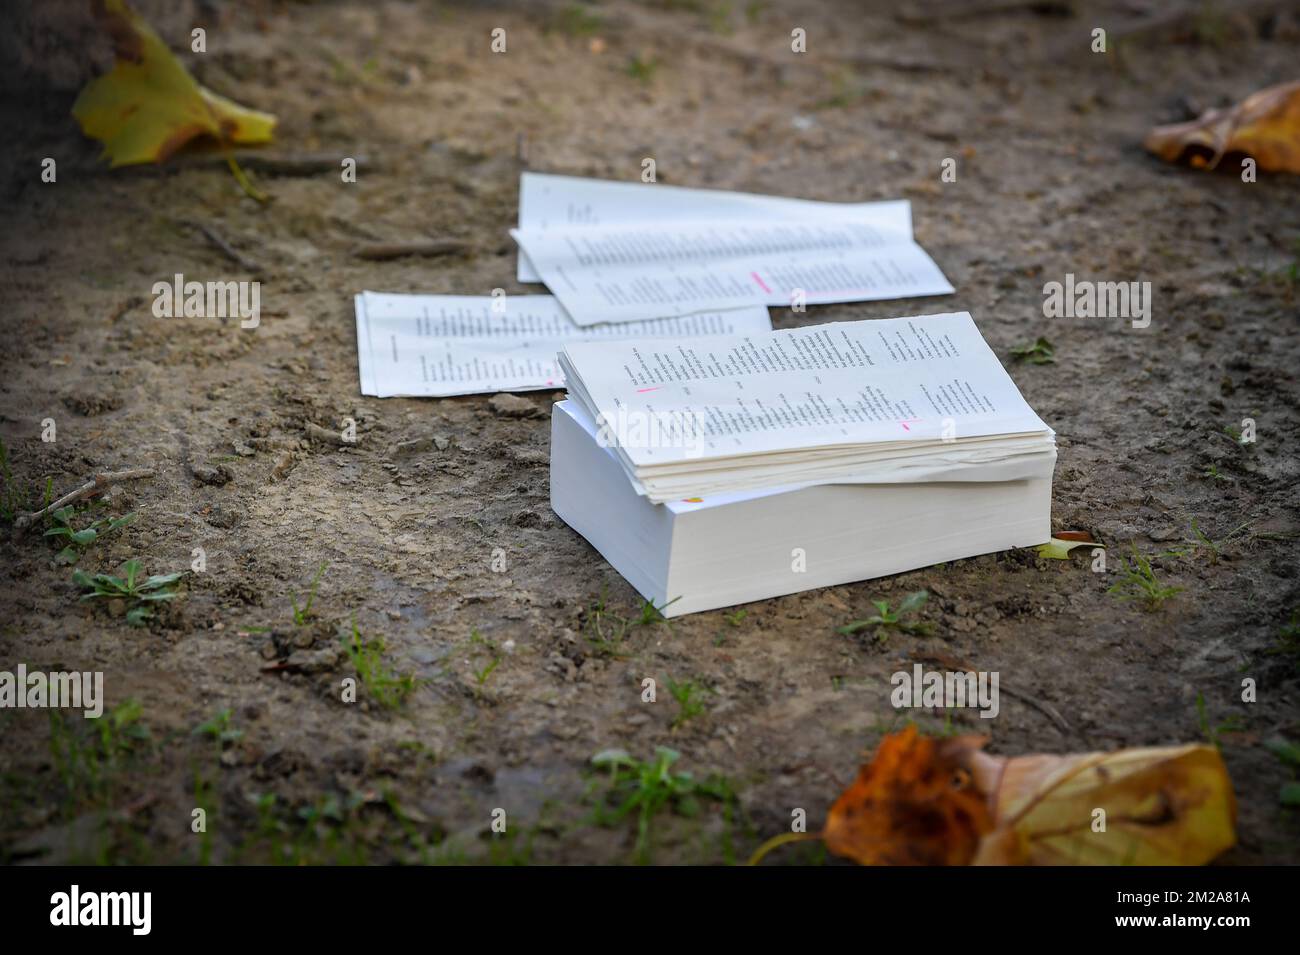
x,y
614,252
441,345
820,387
557,202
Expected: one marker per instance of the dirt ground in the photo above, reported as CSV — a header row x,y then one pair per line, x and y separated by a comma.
x,y
225,702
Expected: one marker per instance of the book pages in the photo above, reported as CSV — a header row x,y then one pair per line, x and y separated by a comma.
x,y
557,202
814,404
617,252
440,345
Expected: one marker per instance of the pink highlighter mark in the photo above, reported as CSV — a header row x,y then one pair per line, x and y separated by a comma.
x,y
904,423
761,283
641,391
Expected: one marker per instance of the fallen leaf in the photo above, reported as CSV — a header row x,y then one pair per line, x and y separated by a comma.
x,y
1264,126
928,801
1170,805
1061,543
149,106
913,804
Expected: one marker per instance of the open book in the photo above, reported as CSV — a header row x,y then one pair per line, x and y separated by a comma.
x,y
884,401
619,252
718,471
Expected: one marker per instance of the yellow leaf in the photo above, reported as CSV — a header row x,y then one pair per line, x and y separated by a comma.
x,y
1059,547
149,105
1264,126
1163,806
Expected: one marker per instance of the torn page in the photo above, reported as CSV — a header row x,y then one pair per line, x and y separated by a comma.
x,y
563,202
441,345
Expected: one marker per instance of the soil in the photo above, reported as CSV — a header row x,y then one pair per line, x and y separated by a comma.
x,y
524,672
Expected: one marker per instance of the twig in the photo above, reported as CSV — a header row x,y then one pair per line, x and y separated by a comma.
x,y
299,164
86,490
228,250
202,155
634,21
900,64
1171,20
1182,17
1045,708
382,251
138,805
965,10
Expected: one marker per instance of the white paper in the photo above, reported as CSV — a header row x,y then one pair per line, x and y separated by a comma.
x,y
614,252
634,272
966,472
559,202
441,345
818,390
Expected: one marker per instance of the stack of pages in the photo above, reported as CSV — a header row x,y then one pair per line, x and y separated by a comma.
x,y
716,471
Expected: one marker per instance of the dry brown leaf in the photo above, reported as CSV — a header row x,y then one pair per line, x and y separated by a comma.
x,y
1170,805
927,801
1265,126
915,803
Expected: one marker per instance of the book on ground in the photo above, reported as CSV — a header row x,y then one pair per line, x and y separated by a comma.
x,y
734,468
